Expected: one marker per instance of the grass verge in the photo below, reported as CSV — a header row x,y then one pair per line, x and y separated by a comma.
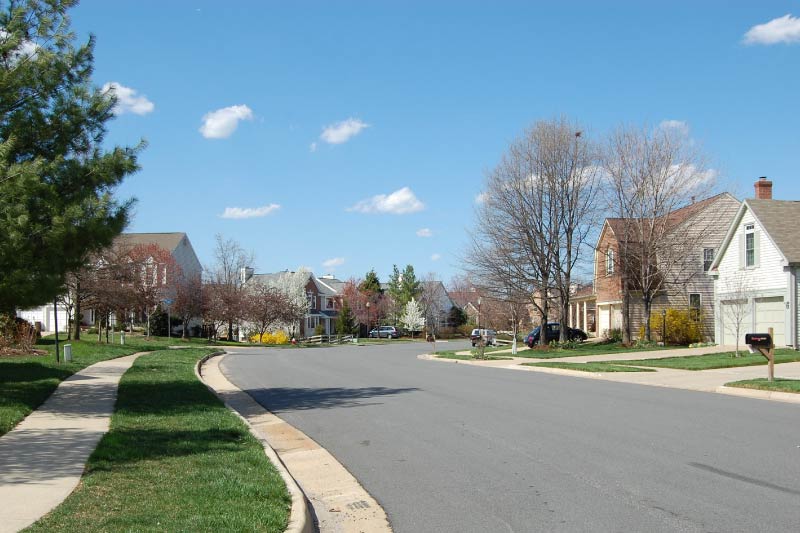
x,y
589,348
714,360
780,385
26,382
175,459
452,354
590,367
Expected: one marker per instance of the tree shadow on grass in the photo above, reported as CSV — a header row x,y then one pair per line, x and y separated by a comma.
x,y
281,399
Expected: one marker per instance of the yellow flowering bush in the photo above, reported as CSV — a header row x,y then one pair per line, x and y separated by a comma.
x,y
277,337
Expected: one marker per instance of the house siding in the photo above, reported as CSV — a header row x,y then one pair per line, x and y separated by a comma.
x,y
768,275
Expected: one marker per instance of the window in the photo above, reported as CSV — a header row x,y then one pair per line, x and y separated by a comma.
x,y
609,261
708,258
694,305
749,245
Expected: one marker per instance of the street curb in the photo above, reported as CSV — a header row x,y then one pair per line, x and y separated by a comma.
x,y
300,520
788,397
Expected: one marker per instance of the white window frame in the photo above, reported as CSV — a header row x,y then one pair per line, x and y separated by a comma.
x,y
706,260
609,261
750,235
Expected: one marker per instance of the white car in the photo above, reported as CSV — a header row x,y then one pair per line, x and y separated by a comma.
x,y
488,335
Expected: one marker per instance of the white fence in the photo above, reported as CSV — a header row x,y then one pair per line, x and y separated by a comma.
x,y
329,339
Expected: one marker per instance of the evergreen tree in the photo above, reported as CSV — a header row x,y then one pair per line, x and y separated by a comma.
x,y
346,322
371,283
56,180
456,317
410,286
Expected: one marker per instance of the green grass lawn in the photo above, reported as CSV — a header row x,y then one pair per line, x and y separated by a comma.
x,y
714,360
589,348
452,354
780,385
175,459
26,382
590,367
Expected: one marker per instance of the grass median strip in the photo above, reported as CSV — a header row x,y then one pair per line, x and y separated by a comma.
x,y
779,385
711,361
589,367
175,459
588,348
454,354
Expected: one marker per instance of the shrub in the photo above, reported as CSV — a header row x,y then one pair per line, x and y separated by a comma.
x,y
613,335
683,326
320,329
277,337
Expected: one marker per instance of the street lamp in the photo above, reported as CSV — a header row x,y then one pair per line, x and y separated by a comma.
x,y
368,319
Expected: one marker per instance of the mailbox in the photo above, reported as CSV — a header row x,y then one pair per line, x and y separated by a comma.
x,y
758,339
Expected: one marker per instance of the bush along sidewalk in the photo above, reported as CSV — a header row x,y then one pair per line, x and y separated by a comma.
x,y
175,459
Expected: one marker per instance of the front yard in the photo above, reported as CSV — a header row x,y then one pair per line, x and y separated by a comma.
x,y
779,385
714,360
588,348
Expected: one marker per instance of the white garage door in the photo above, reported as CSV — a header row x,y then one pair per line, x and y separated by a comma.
x,y
734,313
771,313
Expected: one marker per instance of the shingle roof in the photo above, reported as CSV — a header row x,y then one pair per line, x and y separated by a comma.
x,y
168,241
780,219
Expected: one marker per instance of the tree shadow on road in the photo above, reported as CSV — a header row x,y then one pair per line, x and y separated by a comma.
x,y
297,399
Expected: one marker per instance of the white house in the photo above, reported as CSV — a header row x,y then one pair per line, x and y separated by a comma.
x,y
756,271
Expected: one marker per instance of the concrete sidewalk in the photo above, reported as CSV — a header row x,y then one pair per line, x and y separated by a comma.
x,y
43,458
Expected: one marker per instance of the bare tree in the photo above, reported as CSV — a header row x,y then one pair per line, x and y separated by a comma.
x,y
231,260
535,216
432,301
266,307
652,174
734,305
190,300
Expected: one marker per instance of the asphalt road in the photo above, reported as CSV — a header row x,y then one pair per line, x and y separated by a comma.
x,y
448,447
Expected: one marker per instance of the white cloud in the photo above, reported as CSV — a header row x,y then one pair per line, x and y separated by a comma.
x,y
312,147
436,257
222,123
785,29
127,100
424,232
333,262
341,132
679,126
25,48
480,197
249,212
400,202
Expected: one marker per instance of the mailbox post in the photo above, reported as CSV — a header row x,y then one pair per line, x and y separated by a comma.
x,y
766,347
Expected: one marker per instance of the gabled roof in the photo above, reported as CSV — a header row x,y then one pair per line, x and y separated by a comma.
x,y
168,241
676,217
779,218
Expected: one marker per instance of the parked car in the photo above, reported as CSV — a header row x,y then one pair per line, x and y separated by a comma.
x,y
552,333
388,332
489,335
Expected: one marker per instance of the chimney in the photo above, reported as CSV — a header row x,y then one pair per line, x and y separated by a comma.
x,y
245,274
763,189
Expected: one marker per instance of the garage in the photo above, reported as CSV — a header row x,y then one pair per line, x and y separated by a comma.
x,y
771,313
731,313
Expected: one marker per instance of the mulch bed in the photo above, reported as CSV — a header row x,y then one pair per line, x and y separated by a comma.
x,y
18,352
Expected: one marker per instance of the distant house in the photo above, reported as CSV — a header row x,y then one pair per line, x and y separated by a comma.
x,y
756,271
436,303
708,219
324,296
176,243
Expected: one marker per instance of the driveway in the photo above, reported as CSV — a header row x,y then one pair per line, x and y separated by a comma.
x,y
447,447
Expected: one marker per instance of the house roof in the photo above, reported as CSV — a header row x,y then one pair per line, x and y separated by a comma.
x,y
168,241
674,218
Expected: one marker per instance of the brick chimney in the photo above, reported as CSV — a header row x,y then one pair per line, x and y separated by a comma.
x,y
763,188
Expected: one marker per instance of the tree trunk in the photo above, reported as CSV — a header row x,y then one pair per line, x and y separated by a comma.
x,y
648,306
626,317
545,310
564,334
99,329
76,334
184,334
230,330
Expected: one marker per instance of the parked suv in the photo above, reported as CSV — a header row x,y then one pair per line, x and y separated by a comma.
x,y
552,333
389,332
487,334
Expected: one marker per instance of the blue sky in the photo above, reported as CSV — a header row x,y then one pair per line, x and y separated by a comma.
x,y
349,127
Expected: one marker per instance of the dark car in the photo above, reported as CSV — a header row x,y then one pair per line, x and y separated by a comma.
x,y
552,333
389,332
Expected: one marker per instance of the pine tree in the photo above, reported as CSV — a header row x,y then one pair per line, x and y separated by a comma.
x,y
371,283
346,322
56,180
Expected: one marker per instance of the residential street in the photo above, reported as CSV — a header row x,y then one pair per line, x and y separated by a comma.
x,y
452,447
